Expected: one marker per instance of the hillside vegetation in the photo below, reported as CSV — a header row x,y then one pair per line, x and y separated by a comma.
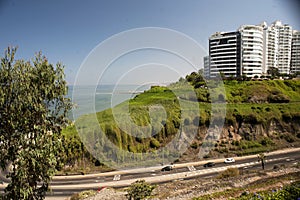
x,y
259,114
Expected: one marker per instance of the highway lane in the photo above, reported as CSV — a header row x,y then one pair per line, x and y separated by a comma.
x,y
178,168
202,173
65,186
207,173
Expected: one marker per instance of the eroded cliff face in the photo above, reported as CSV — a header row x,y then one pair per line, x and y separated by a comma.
x,y
272,128
283,134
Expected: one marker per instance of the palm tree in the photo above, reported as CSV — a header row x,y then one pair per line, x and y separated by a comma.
x,y
261,158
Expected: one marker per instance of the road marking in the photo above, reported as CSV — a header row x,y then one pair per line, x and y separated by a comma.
x,y
191,168
117,177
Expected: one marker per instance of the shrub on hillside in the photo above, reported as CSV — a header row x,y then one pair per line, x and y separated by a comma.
x,y
289,138
251,118
154,143
83,195
266,141
194,145
287,192
287,117
139,190
230,172
278,98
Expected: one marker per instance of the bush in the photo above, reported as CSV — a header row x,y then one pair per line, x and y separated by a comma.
x,y
287,117
230,172
139,190
236,143
230,120
289,138
266,141
83,195
251,118
268,109
154,143
276,167
287,192
278,98
194,145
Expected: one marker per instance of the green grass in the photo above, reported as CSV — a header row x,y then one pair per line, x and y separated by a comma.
x,y
161,111
237,96
165,100
240,92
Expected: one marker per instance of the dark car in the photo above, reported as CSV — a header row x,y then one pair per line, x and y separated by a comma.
x,y
209,164
167,168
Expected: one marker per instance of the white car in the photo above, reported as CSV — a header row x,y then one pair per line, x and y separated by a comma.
x,y
229,160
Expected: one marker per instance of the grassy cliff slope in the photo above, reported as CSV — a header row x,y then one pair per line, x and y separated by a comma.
x,y
260,116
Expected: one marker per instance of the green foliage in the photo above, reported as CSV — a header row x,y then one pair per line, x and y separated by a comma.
x,y
230,172
273,91
289,138
154,143
273,71
266,141
278,98
139,190
247,103
194,145
202,94
289,192
196,79
33,110
83,195
139,113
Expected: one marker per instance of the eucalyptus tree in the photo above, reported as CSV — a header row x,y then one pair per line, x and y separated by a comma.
x,y
33,110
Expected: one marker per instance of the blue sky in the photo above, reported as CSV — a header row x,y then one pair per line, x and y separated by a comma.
x,y
67,31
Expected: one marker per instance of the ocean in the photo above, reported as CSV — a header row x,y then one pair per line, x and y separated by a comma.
x,y
91,99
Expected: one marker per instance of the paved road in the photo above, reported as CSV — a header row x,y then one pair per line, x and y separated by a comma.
x,y
63,186
69,185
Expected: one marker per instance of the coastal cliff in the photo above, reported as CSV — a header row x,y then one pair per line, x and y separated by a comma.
x,y
252,117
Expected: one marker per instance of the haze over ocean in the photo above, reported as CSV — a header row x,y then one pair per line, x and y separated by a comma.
x,y
106,96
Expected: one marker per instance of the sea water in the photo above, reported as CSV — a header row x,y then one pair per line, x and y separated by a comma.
x,y
91,99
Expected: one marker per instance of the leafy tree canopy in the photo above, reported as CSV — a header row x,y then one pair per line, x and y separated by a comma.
x,y
33,109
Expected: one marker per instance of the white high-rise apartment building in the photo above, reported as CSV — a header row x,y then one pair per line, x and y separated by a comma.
x,y
251,50
295,55
285,48
278,38
271,45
